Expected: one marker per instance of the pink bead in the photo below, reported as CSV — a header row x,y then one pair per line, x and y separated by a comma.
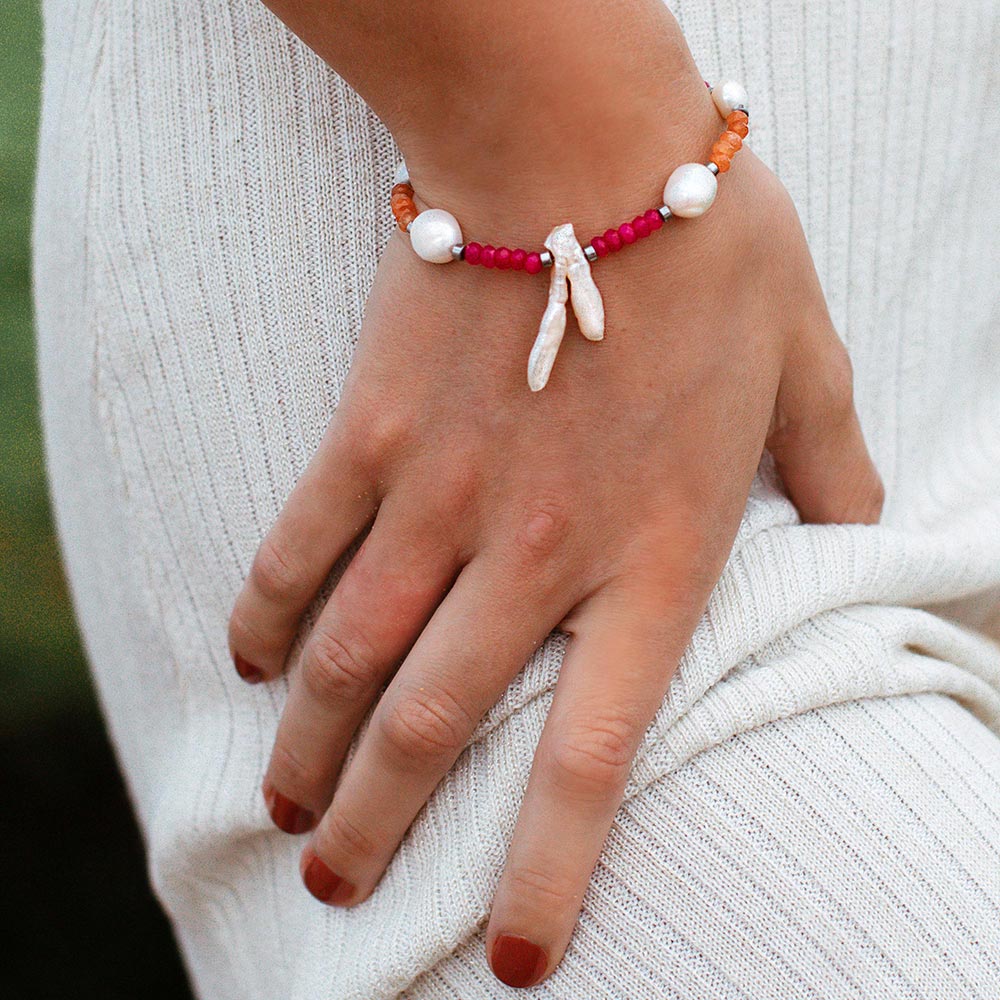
x,y
627,233
600,246
654,219
473,253
613,240
641,227
533,263
517,258
488,257
502,259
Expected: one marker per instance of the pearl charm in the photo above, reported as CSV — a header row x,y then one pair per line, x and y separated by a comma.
x,y
433,233
690,190
728,96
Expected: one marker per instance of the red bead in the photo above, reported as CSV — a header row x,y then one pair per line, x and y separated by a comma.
x,y
654,219
488,257
473,253
502,259
533,263
600,246
517,258
627,233
641,227
613,240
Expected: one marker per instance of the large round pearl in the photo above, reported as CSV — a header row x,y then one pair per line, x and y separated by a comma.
x,y
690,190
728,95
433,233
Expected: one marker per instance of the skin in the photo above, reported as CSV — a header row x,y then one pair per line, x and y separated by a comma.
x,y
606,504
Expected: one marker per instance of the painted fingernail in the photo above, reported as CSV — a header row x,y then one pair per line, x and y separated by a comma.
x,y
324,884
286,814
249,673
517,961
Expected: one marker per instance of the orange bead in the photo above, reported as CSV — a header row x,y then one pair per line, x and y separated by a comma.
x,y
734,140
723,149
407,215
398,201
739,123
406,189
722,161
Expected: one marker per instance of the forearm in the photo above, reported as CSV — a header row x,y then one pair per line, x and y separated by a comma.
x,y
571,108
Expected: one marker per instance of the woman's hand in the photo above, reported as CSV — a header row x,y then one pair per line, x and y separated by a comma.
x,y
606,505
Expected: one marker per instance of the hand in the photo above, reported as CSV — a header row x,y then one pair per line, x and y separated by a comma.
x,y
606,505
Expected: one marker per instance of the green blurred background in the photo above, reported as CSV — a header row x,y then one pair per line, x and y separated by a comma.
x,y
78,918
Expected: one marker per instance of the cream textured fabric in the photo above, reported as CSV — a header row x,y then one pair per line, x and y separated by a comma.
x,y
815,812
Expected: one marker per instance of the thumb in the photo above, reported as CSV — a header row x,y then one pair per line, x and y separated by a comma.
x,y
815,437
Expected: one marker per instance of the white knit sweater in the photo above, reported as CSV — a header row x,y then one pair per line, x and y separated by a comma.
x,y
815,811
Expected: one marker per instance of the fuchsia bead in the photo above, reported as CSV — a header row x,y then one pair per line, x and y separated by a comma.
x,y
533,263
653,217
488,256
641,227
502,259
517,259
473,253
627,233
613,240
600,246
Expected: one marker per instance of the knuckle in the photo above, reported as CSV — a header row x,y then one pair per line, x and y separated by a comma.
x,y
340,835
547,887
274,573
542,527
837,382
376,432
593,757
425,726
287,771
334,670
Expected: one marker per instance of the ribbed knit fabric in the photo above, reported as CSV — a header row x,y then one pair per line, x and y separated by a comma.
x,y
814,812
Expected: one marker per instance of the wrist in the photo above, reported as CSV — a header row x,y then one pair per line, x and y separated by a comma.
x,y
593,146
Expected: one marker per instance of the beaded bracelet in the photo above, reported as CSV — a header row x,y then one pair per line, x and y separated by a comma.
x,y
689,192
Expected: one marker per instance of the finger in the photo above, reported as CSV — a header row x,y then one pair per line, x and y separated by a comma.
x,y
330,505
378,608
816,439
423,723
613,679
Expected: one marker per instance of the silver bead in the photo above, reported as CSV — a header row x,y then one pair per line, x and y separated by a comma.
x,y
547,259
590,253
665,212
457,251
714,167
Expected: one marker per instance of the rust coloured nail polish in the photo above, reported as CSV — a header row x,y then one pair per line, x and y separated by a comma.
x,y
517,961
286,814
326,886
246,670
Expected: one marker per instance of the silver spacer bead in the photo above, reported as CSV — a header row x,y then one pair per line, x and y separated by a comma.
x,y
458,251
547,260
714,167
590,253
741,107
664,212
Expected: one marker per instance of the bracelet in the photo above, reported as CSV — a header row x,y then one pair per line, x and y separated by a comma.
x,y
436,236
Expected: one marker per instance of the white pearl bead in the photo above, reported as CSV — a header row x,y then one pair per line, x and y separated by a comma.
x,y
690,190
402,174
433,233
728,95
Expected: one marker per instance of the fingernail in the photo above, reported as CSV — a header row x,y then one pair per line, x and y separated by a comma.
x,y
324,884
286,814
517,961
249,673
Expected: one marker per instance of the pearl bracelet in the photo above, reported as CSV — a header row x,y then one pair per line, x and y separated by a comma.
x,y
689,192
